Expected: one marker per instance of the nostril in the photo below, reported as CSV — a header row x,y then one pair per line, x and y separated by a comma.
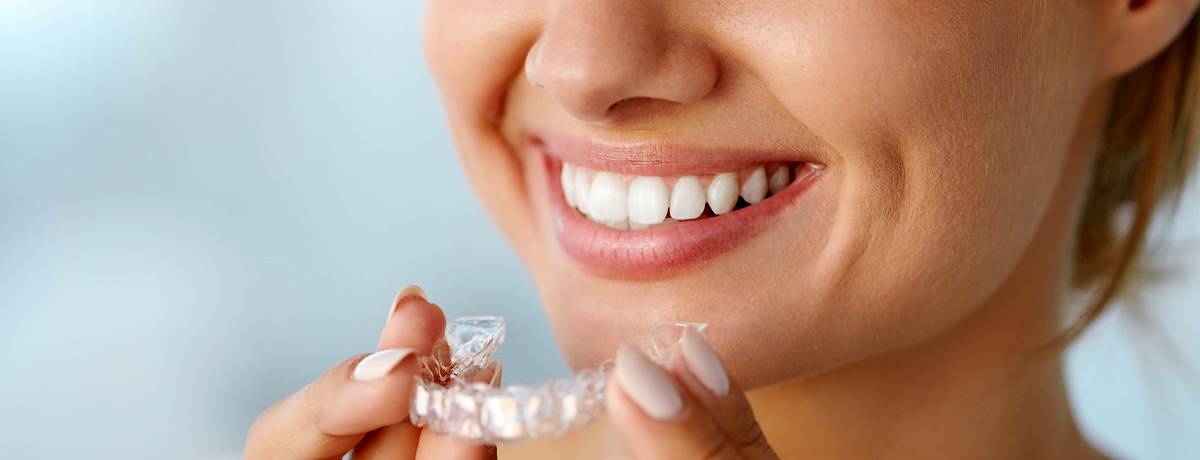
x,y
630,104
634,106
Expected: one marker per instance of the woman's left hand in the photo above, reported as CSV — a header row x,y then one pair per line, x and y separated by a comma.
x,y
689,410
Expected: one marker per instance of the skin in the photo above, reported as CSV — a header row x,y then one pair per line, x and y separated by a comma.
x,y
901,298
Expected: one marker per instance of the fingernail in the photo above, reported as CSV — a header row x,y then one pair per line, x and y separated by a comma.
x,y
703,362
379,364
411,292
647,384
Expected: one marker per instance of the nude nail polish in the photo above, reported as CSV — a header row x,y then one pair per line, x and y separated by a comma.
x,y
646,384
379,364
411,291
703,362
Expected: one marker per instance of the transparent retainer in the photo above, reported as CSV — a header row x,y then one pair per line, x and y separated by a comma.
x,y
457,393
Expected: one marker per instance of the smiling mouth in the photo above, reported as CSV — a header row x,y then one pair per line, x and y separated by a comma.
x,y
629,202
638,212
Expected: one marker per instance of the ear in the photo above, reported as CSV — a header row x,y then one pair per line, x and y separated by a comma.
x,y
1137,30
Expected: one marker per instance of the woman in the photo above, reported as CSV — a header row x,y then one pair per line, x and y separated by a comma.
x,y
878,207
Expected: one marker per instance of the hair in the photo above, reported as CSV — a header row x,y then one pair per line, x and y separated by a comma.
x,y
1147,151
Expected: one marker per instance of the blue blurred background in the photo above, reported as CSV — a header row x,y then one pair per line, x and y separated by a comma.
x,y
203,204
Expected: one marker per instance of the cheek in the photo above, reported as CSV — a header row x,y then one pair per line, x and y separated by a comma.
x,y
951,126
474,54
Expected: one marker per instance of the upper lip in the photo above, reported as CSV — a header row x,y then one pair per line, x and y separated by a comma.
x,y
656,157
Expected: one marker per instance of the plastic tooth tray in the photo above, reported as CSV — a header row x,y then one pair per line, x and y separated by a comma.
x,y
457,391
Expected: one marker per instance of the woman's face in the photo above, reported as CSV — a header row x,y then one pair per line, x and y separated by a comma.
x,y
920,144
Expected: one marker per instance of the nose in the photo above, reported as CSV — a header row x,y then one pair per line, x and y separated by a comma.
x,y
594,54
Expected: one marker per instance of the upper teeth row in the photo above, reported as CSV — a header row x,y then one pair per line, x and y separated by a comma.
x,y
624,202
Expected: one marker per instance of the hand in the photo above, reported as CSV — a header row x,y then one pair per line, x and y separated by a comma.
x,y
689,410
362,403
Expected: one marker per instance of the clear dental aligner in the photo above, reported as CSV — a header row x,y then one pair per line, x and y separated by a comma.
x,y
456,392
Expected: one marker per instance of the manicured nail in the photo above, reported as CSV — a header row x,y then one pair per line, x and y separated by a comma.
x,y
647,384
379,364
411,292
703,362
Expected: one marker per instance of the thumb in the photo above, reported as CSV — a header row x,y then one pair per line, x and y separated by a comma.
x,y
680,413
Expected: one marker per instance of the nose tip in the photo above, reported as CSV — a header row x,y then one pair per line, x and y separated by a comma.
x,y
582,83
591,62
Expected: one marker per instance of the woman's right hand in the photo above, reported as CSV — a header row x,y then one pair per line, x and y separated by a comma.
x,y
361,404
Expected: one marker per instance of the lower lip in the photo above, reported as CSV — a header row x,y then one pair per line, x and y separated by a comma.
x,y
663,250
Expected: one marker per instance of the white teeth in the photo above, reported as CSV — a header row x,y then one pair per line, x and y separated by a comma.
x,y
568,184
636,226
755,187
608,198
581,190
619,225
648,200
779,179
618,202
723,193
687,198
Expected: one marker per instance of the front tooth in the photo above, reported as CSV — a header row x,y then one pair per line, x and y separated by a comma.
x,y
581,190
687,198
755,187
723,193
619,225
779,179
568,184
608,198
648,200
636,226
